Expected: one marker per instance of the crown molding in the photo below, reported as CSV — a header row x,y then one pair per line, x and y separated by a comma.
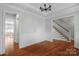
x,y
20,7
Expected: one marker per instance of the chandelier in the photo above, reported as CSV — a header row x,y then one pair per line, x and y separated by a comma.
x,y
45,8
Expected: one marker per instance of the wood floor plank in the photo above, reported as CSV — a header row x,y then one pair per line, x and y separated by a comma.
x,y
47,48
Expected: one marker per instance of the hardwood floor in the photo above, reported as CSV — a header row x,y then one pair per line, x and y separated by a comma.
x,y
47,48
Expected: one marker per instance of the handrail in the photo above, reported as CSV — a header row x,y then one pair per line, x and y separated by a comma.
x,y
61,26
61,32
67,25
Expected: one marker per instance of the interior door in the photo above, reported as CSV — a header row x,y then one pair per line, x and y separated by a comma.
x,y
9,33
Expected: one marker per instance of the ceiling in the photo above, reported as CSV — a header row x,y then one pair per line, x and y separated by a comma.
x,y
55,6
34,7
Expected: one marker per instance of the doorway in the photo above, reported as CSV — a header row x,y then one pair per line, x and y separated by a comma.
x,y
11,33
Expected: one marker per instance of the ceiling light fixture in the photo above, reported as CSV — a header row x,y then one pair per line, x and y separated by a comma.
x,y
45,8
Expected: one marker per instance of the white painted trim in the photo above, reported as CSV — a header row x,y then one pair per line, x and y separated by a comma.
x,y
2,52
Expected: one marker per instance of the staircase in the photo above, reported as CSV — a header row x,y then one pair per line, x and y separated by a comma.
x,y
58,36
64,28
60,31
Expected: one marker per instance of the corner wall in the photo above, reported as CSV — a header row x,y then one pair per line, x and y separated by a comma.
x,y
32,28
76,30
2,48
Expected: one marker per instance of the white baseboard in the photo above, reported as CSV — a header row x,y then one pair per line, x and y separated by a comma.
x,y
51,40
